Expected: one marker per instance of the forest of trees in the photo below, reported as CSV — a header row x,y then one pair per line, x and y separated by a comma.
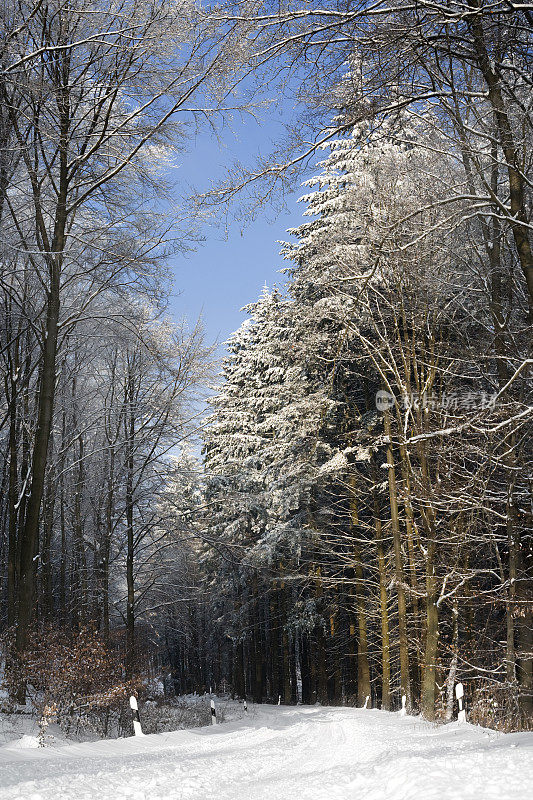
x,y
368,461
361,525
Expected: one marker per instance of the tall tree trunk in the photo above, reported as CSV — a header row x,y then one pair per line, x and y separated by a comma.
x,y
432,635
106,544
12,560
335,658
294,674
351,649
53,256
411,531
429,670
450,681
130,546
305,669
405,684
363,668
238,670
524,604
320,645
321,668
517,196
384,613
286,681
79,539
275,617
46,551
30,531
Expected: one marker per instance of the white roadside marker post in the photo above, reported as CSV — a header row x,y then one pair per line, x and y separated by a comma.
x,y
245,707
459,693
213,713
137,730
403,711
279,699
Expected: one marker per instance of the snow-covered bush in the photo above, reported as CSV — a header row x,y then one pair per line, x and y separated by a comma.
x,y
178,714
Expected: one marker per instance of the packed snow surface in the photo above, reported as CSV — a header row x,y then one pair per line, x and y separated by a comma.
x,y
282,753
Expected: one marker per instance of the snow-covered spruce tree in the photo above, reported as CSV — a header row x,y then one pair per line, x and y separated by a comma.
x,y
364,191
238,450
341,385
413,320
371,525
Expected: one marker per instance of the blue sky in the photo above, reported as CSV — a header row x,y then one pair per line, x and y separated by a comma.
x,y
230,268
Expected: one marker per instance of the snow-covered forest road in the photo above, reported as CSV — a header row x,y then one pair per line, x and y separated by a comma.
x,y
304,752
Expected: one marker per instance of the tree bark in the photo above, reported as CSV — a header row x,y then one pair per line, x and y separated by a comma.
x,y
384,613
518,216
405,684
30,530
130,543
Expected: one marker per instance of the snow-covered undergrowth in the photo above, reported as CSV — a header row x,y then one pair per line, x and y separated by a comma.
x,y
308,753
19,728
187,711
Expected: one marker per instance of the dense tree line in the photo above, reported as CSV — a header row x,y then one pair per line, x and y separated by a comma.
x,y
368,460
96,381
363,525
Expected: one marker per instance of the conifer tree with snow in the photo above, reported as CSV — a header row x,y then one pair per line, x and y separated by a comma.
x,y
362,516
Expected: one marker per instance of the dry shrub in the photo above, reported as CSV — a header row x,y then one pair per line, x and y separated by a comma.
x,y
496,706
77,675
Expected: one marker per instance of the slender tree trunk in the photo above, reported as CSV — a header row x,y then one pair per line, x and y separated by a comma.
x,y
30,531
313,673
351,650
79,539
285,644
410,531
106,544
53,256
257,666
305,669
432,635
294,676
384,613
335,660
405,685
429,671
320,645
450,681
518,217
363,668
256,648
321,668
510,605
63,557
12,566
130,585
524,605
46,553
275,617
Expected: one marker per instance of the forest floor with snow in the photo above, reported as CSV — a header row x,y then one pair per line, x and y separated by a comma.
x,y
282,752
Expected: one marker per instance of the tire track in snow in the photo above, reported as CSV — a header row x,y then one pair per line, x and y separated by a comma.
x,y
305,753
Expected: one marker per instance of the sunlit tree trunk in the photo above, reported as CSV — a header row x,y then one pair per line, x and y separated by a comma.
x,y
405,685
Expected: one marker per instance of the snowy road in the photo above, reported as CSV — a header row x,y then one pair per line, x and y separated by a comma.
x,y
283,753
